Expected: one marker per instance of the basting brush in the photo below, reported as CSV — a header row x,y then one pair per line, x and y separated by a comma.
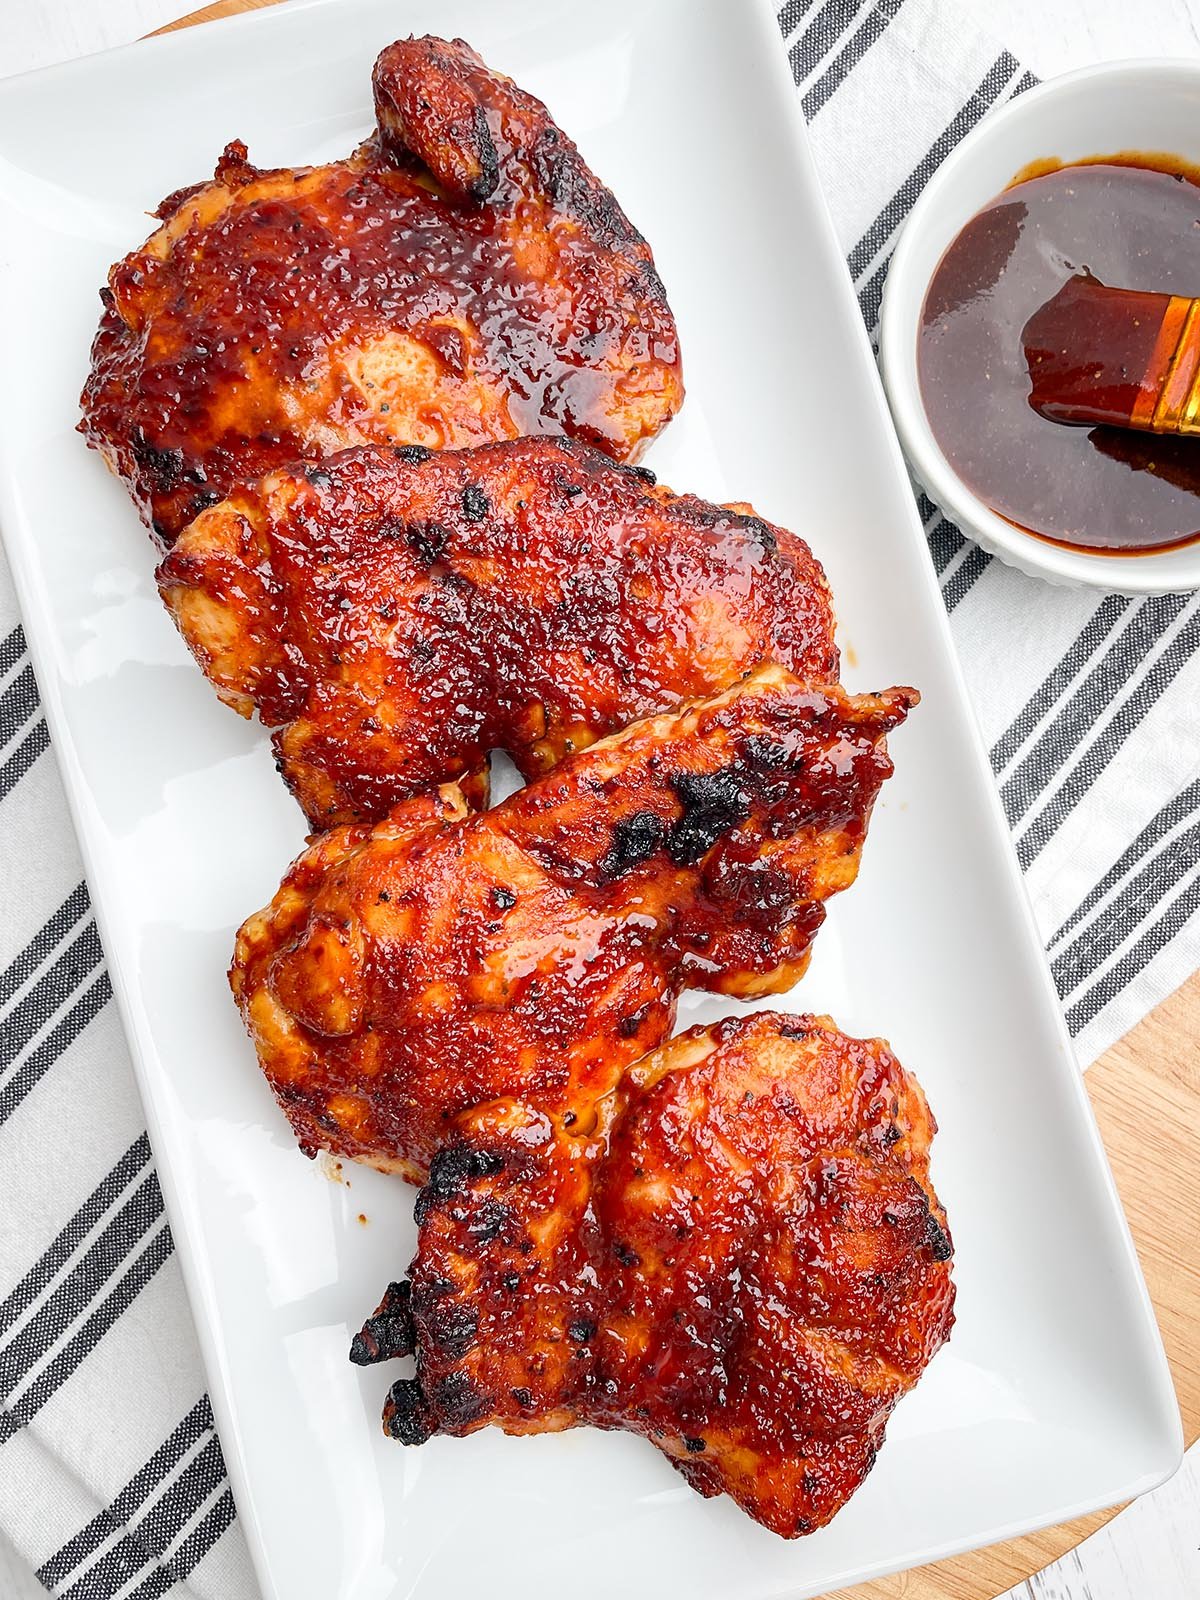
x,y
1122,357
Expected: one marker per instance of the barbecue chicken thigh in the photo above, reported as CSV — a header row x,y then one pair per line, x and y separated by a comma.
x,y
440,960
744,1263
461,277
395,615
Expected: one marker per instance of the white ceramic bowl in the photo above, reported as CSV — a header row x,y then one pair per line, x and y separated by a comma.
x,y
1128,105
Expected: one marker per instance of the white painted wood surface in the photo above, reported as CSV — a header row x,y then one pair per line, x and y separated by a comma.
x,y
1151,1551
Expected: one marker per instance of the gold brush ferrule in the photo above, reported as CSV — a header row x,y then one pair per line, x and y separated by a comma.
x,y
1177,407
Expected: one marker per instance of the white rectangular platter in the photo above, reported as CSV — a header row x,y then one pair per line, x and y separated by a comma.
x,y
1053,1396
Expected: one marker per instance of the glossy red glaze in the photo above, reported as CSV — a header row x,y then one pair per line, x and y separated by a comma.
x,y
280,315
1098,488
408,972
394,618
747,1266
1090,350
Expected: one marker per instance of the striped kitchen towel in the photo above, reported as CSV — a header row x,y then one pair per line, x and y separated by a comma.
x,y
1086,701
111,1479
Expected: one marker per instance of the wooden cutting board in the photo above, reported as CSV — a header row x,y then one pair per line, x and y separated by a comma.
x,y
1146,1095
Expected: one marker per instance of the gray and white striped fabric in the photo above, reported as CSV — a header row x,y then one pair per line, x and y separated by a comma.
x,y
111,1478
1087,702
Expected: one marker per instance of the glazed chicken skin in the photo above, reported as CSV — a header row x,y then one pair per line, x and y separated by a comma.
x,y
747,1266
462,277
395,615
440,960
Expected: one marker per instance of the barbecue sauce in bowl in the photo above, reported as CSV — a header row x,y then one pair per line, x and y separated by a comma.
x,y
1131,221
